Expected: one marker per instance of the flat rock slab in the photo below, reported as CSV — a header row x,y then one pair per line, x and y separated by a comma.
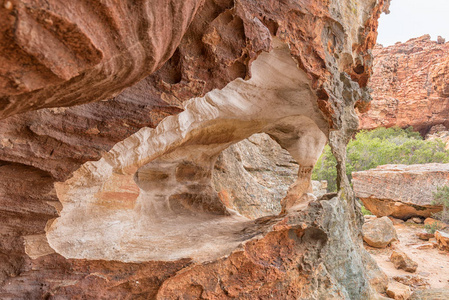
x,y
401,191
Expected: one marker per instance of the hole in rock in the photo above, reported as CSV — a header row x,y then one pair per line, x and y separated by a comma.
x,y
253,176
167,193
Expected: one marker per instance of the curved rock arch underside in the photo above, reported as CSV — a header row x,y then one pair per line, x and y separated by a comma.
x,y
115,199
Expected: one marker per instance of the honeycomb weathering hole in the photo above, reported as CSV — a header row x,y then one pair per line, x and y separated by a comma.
x,y
152,196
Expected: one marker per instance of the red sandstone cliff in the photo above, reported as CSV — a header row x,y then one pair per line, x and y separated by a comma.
x,y
410,85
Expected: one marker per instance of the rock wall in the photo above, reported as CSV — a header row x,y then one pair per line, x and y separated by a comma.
x,y
409,86
114,198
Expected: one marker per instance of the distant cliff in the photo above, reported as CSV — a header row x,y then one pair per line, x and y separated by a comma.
x,y
410,85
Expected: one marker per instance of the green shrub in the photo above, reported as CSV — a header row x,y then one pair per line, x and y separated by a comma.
x,y
441,196
433,227
366,212
380,146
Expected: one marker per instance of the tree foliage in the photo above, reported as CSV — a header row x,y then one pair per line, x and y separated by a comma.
x,y
381,146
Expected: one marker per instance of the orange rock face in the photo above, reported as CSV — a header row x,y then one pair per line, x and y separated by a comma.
x,y
409,85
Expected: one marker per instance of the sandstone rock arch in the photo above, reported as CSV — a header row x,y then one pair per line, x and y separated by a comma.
x,y
150,197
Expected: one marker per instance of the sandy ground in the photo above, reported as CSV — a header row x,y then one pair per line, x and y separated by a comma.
x,y
433,265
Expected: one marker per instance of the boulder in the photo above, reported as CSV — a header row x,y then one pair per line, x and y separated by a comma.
x,y
401,191
398,291
379,232
403,261
442,239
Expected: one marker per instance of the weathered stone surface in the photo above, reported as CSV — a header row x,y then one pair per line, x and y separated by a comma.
x,y
425,236
252,176
442,240
410,86
402,261
398,291
430,294
51,51
328,43
401,191
379,232
413,281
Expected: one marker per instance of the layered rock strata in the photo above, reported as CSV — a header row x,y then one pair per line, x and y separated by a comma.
x,y
294,70
409,86
401,191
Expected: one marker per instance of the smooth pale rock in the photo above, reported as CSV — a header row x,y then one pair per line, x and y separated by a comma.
x,y
442,239
398,291
410,86
402,261
430,294
401,191
379,232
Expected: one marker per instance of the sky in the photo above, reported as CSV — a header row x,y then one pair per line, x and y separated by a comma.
x,y
413,18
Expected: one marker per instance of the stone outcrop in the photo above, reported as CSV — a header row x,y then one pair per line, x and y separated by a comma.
x,y
115,198
379,232
401,191
409,86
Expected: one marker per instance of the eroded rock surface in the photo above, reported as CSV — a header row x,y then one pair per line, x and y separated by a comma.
x,y
379,232
126,164
401,191
410,86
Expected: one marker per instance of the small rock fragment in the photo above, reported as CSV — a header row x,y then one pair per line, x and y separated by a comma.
x,y
402,261
425,236
417,220
398,291
413,281
379,232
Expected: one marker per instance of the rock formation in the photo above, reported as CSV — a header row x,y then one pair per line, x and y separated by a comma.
x,y
409,86
401,191
115,198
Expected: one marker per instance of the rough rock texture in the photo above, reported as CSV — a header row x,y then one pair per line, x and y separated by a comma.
x,y
413,281
442,240
398,291
410,86
431,294
401,191
401,260
111,157
252,176
379,233
51,52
